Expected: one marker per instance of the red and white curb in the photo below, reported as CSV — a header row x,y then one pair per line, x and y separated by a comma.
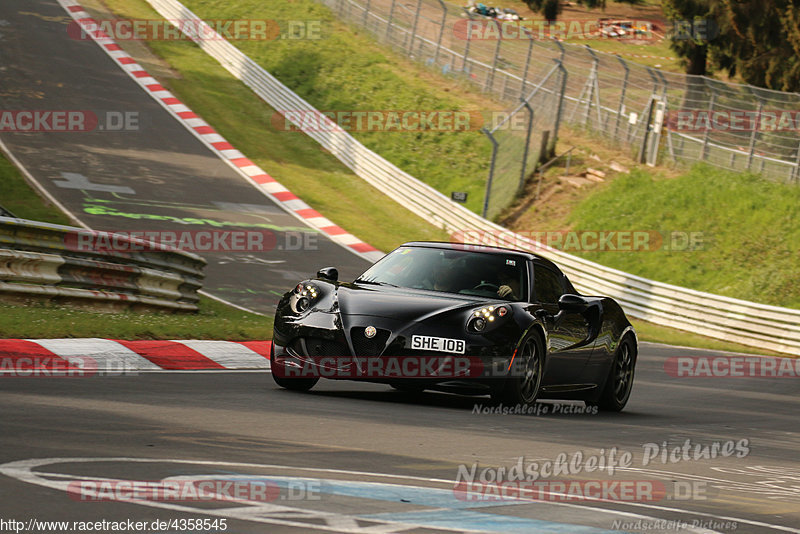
x,y
18,356
203,131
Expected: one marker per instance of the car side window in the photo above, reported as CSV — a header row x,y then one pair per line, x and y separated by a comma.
x,y
547,285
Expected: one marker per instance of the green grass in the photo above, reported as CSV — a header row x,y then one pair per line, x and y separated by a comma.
x,y
749,230
214,321
20,199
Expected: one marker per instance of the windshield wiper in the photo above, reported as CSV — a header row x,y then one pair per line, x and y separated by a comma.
x,y
373,282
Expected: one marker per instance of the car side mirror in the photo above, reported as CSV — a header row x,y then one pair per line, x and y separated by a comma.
x,y
328,273
572,303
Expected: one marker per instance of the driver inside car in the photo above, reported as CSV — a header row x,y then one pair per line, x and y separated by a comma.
x,y
444,278
509,284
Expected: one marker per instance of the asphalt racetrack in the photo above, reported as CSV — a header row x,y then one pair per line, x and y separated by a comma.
x,y
356,457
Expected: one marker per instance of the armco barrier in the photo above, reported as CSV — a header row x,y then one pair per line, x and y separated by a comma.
x,y
744,322
37,261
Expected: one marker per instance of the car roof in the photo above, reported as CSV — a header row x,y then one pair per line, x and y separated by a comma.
x,y
483,249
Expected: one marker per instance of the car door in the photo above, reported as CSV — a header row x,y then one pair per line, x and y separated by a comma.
x,y
568,351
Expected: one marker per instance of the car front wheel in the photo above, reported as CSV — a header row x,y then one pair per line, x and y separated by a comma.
x,y
279,376
525,378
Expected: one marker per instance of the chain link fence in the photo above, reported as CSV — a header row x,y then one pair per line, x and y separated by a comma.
x,y
659,116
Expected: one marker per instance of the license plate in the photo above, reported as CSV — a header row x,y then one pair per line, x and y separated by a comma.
x,y
439,344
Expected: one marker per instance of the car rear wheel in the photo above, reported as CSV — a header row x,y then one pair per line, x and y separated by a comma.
x,y
525,379
280,378
620,380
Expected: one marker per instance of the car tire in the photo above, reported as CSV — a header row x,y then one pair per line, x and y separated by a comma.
x,y
523,384
407,388
292,384
619,383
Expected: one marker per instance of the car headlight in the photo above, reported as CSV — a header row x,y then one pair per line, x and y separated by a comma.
x,y
484,318
305,294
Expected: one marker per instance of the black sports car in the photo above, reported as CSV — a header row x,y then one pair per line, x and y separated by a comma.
x,y
461,318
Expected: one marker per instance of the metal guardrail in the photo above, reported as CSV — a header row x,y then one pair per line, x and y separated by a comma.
x,y
46,261
748,323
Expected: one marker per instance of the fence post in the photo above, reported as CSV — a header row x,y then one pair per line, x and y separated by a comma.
x,y
561,49
525,71
594,88
753,135
527,146
414,27
706,133
366,13
490,77
466,46
622,95
389,22
646,135
441,32
795,175
560,107
488,192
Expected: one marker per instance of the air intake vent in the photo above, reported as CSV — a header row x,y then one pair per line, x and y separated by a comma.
x,y
315,347
367,347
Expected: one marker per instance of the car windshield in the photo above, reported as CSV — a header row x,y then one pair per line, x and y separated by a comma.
x,y
452,271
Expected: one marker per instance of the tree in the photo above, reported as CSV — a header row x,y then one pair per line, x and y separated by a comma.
x,y
550,9
761,43
688,40
758,40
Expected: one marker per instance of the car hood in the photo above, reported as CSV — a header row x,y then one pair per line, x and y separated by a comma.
x,y
402,304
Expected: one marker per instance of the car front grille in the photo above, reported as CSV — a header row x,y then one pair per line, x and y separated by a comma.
x,y
368,347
